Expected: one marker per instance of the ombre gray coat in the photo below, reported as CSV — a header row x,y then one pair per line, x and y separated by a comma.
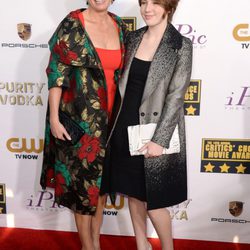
x,y
163,103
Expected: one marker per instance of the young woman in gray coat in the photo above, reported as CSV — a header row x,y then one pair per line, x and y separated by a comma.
x,y
156,75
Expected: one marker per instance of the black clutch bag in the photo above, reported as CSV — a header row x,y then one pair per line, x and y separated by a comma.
x,y
73,128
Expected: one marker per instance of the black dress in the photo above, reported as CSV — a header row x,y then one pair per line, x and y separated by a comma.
x,y
127,175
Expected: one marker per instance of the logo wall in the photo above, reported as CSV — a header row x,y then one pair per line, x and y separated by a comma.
x,y
21,94
198,39
43,201
2,199
24,148
241,33
239,99
235,209
24,33
180,212
193,98
113,210
131,22
228,156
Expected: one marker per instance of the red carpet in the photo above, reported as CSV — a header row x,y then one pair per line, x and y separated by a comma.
x,y
27,239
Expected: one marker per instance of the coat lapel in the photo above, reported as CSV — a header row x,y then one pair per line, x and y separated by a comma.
x,y
130,54
164,60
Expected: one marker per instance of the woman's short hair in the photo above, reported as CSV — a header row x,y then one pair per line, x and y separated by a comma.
x,y
169,6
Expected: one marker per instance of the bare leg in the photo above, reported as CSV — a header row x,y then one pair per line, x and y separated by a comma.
x,y
162,223
96,222
138,215
83,224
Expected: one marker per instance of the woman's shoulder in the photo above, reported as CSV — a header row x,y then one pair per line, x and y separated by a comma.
x,y
176,38
136,34
123,26
70,22
68,28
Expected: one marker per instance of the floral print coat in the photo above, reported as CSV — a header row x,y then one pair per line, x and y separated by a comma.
x,y
75,171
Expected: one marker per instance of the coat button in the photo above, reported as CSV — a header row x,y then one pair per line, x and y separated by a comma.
x,y
52,180
142,114
155,113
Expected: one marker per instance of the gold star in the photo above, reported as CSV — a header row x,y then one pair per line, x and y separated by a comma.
x,y
240,169
191,110
224,168
209,167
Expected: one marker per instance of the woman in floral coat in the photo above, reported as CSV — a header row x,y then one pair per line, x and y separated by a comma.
x,y
81,82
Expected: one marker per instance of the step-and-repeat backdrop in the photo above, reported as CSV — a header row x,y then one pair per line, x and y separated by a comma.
x,y
217,119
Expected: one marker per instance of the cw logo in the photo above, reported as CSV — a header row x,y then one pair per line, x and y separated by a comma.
x,y
119,204
241,32
20,145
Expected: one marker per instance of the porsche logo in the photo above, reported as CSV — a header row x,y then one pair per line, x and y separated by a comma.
x,y
24,31
235,208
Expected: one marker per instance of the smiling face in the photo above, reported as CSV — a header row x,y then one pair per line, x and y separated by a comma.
x,y
99,5
152,13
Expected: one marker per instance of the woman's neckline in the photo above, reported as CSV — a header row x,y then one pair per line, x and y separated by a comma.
x,y
142,60
82,22
107,49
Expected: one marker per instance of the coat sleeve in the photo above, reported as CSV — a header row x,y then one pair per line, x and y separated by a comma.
x,y
175,97
61,55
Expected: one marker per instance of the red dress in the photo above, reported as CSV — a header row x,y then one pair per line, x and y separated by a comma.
x,y
111,61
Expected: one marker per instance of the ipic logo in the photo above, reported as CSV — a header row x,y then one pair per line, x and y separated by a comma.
x,y
239,100
24,145
198,40
43,201
241,33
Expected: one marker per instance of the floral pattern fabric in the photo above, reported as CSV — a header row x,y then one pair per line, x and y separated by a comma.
x,y
75,171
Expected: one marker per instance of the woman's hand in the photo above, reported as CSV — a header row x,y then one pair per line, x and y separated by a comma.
x,y
58,130
152,149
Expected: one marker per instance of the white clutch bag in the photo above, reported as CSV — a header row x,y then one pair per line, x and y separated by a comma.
x,y
139,135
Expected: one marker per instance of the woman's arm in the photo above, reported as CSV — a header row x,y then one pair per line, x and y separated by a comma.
x,y
58,72
57,129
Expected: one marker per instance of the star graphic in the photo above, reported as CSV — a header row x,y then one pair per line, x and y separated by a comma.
x,y
224,168
191,110
240,169
209,167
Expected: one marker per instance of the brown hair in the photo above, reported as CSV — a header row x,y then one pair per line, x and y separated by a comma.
x,y
168,5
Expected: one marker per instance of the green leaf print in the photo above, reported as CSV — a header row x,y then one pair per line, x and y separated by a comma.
x,y
85,127
47,133
78,80
52,42
60,167
98,182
